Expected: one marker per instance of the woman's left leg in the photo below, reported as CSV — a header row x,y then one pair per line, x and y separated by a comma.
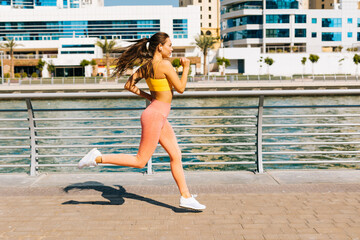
x,y
169,142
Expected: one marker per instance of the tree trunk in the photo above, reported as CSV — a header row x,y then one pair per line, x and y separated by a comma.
x,y
12,65
205,66
107,65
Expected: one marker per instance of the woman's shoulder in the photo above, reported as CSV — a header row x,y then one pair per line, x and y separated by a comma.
x,y
165,63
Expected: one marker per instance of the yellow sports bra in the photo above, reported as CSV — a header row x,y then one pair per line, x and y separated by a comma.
x,y
158,84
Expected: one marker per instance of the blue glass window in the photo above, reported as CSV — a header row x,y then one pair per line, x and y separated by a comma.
x,y
314,20
46,3
234,22
300,18
5,2
331,36
282,4
277,18
65,3
77,52
79,46
358,23
358,36
180,28
277,33
331,22
244,34
243,5
349,20
26,4
349,34
300,32
313,34
124,29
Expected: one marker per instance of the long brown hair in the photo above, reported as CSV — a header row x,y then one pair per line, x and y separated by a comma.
x,y
140,54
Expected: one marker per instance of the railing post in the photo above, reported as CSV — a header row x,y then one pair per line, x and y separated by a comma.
x,y
149,164
259,161
32,125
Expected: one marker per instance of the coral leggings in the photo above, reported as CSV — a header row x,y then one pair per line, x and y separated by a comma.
x,y
155,129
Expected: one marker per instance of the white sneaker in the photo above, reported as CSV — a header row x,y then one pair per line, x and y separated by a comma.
x,y
89,159
191,203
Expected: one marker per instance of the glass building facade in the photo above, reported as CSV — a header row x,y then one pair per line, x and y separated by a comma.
x,y
300,32
278,18
300,18
28,4
244,34
180,28
54,30
250,19
331,36
282,4
331,22
277,33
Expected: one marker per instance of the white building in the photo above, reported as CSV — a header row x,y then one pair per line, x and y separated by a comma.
x,y
66,33
287,31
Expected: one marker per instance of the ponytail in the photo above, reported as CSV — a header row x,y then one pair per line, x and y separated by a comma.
x,y
140,53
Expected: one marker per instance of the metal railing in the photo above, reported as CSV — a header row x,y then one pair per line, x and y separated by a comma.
x,y
197,78
31,56
238,135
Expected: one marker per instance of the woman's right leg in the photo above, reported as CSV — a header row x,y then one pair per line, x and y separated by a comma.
x,y
151,125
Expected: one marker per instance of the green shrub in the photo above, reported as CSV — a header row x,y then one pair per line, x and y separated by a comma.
x,y
24,75
34,75
7,75
17,75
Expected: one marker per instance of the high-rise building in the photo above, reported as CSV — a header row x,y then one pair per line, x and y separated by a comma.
x,y
209,15
65,34
30,4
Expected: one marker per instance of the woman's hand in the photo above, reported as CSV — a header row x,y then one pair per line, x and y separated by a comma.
x,y
184,62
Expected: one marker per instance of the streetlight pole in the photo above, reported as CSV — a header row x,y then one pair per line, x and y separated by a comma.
x,y
2,66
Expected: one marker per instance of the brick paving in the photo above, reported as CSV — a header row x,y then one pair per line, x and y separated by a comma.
x,y
234,211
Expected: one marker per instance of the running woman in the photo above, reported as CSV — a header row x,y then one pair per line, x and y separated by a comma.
x,y
161,79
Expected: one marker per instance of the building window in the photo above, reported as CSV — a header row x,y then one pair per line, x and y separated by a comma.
x,y
331,36
209,16
313,34
284,4
243,34
322,6
209,24
300,32
200,1
358,36
314,20
200,24
349,34
250,19
209,8
181,3
331,22
277,33
200,8
358,23
281,18
200,16
209,1
300,18
180,28
349,20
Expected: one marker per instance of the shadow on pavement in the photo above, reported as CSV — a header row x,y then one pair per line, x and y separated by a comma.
x,y
116,196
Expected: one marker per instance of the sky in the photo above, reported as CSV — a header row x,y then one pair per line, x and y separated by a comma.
x,y
175,3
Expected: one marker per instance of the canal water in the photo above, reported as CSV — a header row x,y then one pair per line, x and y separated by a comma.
x,y
126,139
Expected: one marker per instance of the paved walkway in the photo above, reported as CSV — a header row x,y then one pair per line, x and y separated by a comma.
x,y
277,205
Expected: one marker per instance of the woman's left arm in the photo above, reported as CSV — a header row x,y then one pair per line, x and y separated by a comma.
x,y
130,85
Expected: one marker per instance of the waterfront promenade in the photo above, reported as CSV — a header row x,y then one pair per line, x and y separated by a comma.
x,y
279,204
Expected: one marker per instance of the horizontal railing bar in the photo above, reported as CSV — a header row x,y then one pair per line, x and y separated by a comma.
x,y
14,165
137,145
13,119
14,138
12,110
158,154
308,162
138,118
314,106
13,147
329,92
309,134
138,127
156,164
138,136
313,152
14,156
312,125
14,129
306,116
308,143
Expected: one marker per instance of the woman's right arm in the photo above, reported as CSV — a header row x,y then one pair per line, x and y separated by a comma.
x,y
171,75
130,85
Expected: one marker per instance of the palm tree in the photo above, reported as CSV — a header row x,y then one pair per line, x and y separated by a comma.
x,y
269,61
313,58
9,46
205,42
303,62
107,48
356,60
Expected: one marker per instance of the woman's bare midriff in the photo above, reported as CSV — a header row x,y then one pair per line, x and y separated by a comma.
x,y
163,96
